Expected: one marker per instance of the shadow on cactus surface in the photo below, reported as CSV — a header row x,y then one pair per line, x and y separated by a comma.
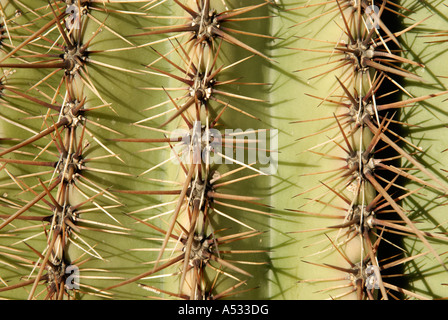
x,y
223,149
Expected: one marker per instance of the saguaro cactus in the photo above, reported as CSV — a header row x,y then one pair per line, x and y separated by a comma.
x,y
223,149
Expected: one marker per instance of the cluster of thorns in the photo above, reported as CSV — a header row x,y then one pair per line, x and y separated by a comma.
x,y
369,149
196,47
69,191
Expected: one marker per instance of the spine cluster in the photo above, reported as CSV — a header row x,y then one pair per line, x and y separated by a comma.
x,y
369,71
56,40
193,241
193,247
